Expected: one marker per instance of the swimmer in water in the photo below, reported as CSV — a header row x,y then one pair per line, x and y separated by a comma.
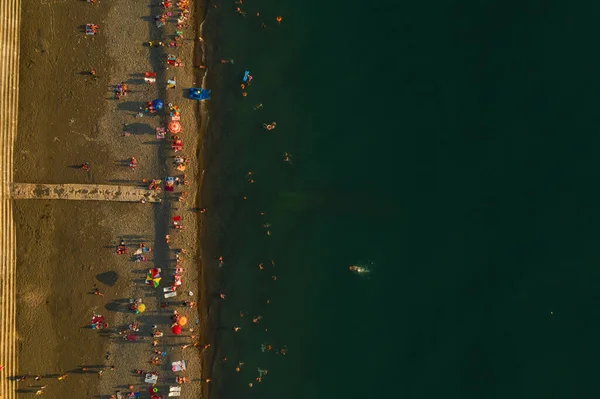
x,y
359,269
269,126
258,106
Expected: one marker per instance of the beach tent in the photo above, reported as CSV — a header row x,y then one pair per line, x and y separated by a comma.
x,y
176,329
199,94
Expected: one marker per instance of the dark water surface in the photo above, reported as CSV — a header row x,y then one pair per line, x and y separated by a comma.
x,y
453,145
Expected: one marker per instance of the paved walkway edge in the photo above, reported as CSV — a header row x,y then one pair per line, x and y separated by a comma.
x,y
10,21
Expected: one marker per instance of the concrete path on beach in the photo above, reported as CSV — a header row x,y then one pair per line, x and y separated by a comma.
x,y
10,18
86,192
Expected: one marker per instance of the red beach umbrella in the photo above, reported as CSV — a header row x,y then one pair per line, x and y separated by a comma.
x,y
174,127
176,330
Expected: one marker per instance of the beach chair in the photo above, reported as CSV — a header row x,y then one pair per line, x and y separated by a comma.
x,y
170,294
151,378
174,391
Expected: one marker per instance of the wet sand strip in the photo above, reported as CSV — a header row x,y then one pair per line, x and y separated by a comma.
x,y
10,14
202,152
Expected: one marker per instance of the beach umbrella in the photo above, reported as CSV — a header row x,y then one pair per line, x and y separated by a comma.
x,y
182,321
141,308
157,104
154,272
174,127
153,278
176,330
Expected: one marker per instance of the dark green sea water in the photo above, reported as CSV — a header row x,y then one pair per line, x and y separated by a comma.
x,y
454,145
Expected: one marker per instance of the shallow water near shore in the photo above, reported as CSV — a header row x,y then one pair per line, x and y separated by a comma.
x,y
440,145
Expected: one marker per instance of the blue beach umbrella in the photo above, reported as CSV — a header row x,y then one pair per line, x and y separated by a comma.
x,y
157,104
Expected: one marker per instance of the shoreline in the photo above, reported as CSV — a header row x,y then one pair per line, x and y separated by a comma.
x,y
205,277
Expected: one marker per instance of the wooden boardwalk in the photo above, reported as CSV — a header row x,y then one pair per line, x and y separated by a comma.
x,y
83,192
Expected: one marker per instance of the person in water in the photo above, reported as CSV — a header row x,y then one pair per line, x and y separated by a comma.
x,y
358,269
269,126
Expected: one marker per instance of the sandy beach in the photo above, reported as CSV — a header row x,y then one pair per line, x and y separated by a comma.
x,y
66,249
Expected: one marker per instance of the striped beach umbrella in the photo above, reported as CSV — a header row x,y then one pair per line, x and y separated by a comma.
x,y
174,127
